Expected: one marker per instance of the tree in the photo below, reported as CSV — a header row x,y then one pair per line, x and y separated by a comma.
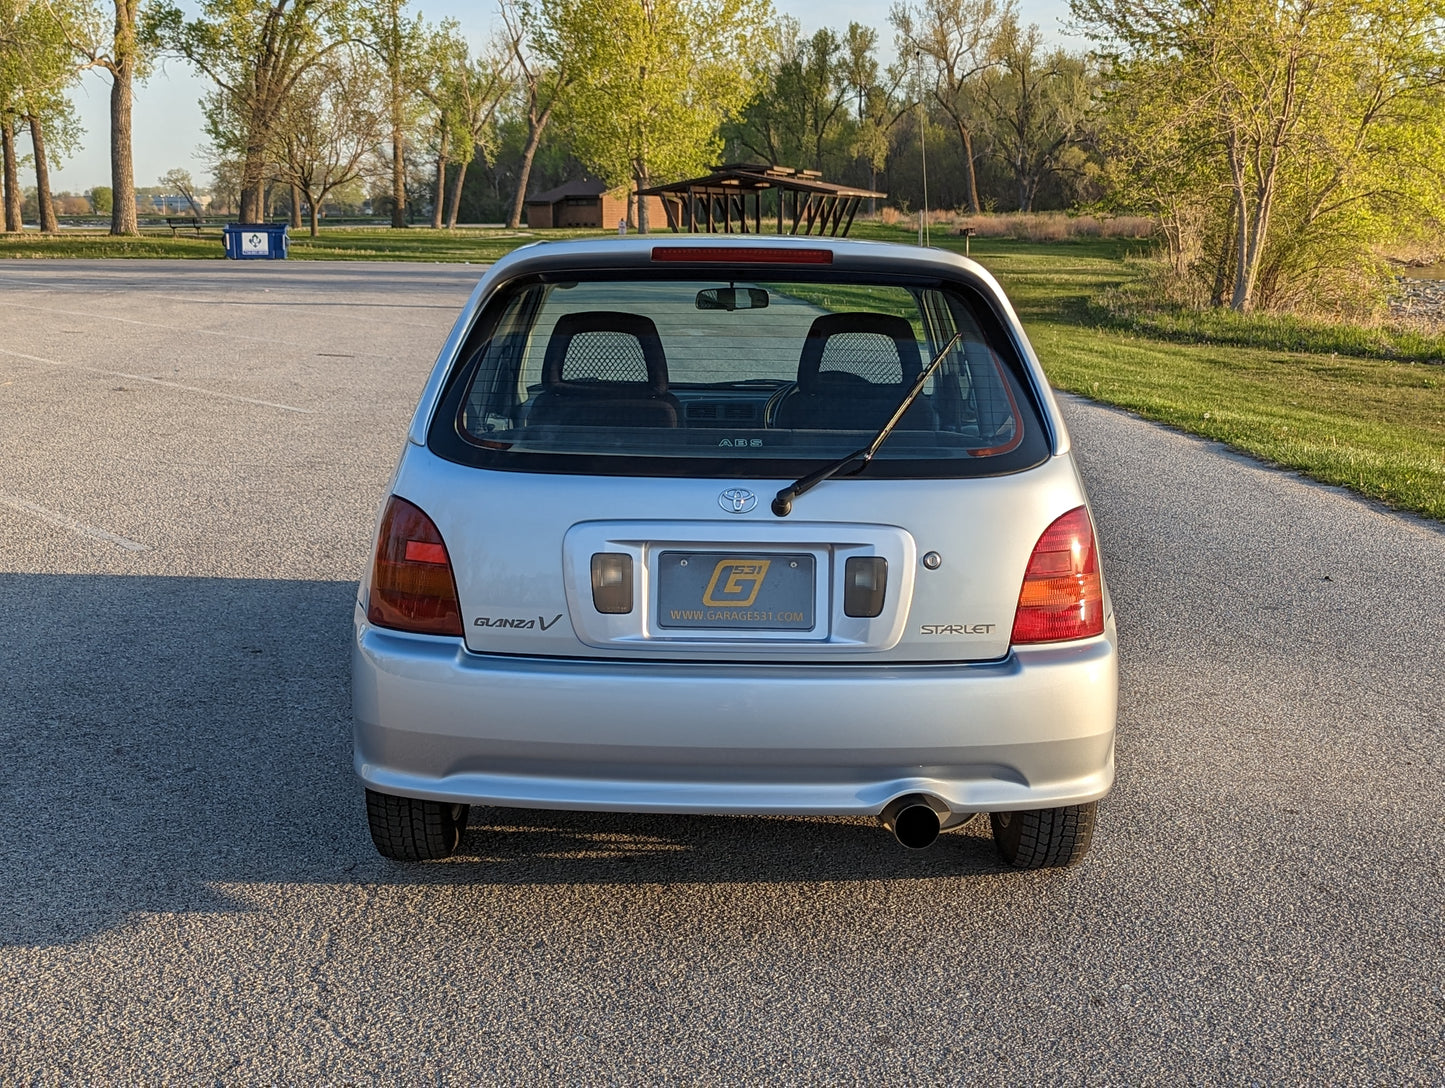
x,y
472,92
408,53
445,52
12,194
180,182
118,45
35,67
801,108
1036,106
877,110
546,57
101,199
225,183
660,77
953,41
254,51
1277,137
49,118
329,126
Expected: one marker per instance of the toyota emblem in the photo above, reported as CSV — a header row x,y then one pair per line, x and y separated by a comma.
x,y
737,500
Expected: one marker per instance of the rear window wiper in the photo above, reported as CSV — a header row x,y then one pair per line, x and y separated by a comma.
x,y
783,500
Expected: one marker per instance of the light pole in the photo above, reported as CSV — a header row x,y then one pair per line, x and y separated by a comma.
x,y
923,233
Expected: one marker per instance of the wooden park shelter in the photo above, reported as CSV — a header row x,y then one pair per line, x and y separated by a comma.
x,y
730,201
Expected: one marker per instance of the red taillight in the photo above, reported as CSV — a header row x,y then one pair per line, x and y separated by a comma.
x,y
412,588
1062,596
741,255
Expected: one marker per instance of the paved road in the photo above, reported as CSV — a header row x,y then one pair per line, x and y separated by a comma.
x,y
190,456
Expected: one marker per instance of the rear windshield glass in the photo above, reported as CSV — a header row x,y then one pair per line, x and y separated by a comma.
x,y
720,377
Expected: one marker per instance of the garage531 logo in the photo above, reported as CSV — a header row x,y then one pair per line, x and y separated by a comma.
x,y
744,581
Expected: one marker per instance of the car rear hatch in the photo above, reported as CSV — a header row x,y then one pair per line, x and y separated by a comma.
x,y
606,446
561,566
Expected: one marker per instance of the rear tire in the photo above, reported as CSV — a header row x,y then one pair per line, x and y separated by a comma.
x,y
411,829
1045,838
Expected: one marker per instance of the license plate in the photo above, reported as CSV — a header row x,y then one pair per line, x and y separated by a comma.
x,y
735,592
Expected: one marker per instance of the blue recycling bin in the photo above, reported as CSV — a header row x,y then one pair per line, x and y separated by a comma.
x,y
255,241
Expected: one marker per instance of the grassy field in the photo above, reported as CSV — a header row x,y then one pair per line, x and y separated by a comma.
x,y
1376,426
1343,405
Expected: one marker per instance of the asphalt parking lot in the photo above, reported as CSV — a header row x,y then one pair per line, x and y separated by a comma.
x,y
191,455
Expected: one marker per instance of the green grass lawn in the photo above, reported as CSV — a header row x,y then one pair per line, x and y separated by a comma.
x,y
1350,408
1374,425
78,243
333,244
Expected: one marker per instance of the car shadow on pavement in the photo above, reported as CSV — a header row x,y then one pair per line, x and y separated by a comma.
x,y
514,846
164,738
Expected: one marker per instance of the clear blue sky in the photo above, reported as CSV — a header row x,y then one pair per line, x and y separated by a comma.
x,y
168,125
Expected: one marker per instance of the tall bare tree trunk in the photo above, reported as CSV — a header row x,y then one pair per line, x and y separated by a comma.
x,y
456,202
12,174
250,209
1226,260
436,211
295,206
965,135
398,176
1252,230
48,223
253,183
643,181
534,137
642,218
314,213
122,75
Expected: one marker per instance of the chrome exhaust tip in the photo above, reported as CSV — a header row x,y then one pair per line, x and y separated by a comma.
x,y
913,819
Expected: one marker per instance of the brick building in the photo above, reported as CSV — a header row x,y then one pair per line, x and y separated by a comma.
x,y
587,204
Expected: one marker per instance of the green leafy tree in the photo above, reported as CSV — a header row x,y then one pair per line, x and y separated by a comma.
x,y
12,45
328,127
658,78
547,53
446,52
12,194
54,129
255,52
36,67
803,107
875,109
410,53
113,39
1277,138
471,92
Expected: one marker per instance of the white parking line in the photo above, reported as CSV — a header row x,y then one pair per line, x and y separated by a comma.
x,y
66,523
129,296
158,381
173,328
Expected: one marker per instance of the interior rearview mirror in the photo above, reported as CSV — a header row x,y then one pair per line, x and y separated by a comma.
x,y
732,298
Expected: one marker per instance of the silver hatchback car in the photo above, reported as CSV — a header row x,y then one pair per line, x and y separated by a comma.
x,y
737,525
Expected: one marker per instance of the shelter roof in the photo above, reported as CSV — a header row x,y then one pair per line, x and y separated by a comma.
x,y
736,177
583,187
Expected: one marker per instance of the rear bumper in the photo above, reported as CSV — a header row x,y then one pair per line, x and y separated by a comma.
x,y
432,720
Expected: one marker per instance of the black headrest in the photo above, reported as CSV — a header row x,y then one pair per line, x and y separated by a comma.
x,y
631,334
894,328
